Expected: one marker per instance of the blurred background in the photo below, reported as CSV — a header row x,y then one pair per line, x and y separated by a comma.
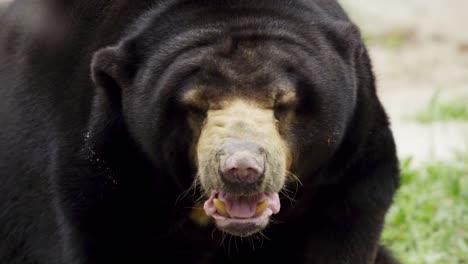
x,y
419,50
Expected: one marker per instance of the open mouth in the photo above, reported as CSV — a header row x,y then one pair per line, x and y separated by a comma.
x,y
242,215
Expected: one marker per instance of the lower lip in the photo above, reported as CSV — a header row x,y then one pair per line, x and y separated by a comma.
x,y
259,220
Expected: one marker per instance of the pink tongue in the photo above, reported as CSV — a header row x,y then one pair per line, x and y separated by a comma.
x,y
245,207
239,207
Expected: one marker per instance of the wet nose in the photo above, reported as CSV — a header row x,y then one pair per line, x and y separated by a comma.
x,y
244,165
240,168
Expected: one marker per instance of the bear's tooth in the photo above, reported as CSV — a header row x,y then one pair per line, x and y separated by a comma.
x,y
261,207
221,207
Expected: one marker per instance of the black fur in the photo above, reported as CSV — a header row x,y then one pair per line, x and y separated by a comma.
x,y
95,143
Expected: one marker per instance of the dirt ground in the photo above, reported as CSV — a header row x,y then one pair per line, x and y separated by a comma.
x,y
418,47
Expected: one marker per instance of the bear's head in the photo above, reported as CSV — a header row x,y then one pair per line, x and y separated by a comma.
x,y
238,114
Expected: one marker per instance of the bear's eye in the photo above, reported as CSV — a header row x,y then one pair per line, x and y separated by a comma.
x,y
280,109
194,103
197,110
284,103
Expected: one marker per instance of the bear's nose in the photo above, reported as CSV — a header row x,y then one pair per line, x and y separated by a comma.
x,y
242,168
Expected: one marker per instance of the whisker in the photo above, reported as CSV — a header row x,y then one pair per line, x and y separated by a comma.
x,y
235,244
260,239
223,239
252,243
285,191
275,221
297,181
199,198
196,184
294,176
229,246
193,187
182,195
264,236
213,232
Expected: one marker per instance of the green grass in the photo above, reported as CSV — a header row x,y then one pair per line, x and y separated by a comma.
x,y
393,39
428,224
438,110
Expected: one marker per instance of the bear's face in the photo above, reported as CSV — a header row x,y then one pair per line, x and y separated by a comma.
x,y
246,117
250,139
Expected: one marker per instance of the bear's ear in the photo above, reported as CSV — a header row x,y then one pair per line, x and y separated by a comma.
x,y
112,70
346,39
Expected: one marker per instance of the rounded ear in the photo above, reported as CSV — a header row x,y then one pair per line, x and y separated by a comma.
x,y
112,70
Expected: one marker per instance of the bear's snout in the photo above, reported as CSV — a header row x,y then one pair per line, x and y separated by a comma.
x,y
240,150
242,166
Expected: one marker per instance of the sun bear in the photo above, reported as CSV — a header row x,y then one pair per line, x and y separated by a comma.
x,y
204,131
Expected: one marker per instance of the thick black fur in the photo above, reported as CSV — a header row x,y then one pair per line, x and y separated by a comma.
x,y
94,141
